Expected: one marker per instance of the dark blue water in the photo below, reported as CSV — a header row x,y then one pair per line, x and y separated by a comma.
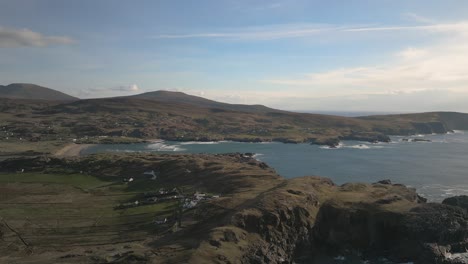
x,y
437,169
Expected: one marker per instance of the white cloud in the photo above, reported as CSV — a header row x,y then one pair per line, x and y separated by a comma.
x,y
416,78
134,87
418,18
306,30
10,38
120,90
126,88
412,53
442,65
256,33
417,100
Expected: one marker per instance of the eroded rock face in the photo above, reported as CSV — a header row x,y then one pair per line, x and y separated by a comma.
x,y
430,127
372,137
310,217
424,234
460,201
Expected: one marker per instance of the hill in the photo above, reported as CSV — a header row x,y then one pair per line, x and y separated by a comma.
x,y
33,92
172,120
179,97
181,117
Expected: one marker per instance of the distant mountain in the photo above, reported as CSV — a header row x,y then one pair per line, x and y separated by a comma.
x,y
183,98
33,92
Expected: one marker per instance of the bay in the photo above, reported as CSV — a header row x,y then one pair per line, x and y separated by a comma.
x,y
437,169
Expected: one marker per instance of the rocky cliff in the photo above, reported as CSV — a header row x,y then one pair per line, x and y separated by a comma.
x,y
310,220
260,217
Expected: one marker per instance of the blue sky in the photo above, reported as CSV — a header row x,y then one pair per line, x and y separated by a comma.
x,y
379,55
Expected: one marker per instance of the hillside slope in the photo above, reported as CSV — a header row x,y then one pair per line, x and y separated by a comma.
x,y
181,117
33,92
179,97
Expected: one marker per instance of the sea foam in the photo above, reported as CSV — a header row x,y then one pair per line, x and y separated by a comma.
x,y
164,147
199,143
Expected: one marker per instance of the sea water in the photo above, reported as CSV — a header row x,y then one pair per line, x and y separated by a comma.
x,y
437,169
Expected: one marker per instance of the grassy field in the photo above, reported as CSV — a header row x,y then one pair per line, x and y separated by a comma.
x,y
56,210
82,210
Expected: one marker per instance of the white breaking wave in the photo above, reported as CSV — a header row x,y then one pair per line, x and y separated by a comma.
x,y
122,150
199,143
435,192
256,155
163,147
358,147
337,147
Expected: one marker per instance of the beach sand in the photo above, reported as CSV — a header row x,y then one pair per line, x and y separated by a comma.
x,y
72,150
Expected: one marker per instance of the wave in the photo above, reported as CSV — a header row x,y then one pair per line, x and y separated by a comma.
x,y
256,155
337,147
358,147
438,192
163,147
200,142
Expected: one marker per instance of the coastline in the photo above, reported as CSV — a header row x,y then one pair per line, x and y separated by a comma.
x,y
72,150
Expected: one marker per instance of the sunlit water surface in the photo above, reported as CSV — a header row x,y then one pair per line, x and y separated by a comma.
x,y
437,169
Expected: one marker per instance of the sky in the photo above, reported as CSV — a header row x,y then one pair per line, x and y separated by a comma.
x,y
349,55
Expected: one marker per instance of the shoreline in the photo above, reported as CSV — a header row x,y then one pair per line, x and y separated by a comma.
x,y
72,150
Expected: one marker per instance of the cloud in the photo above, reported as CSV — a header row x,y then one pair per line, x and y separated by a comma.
x,y
120,90
432,76
415,101
418,18
447,27
256,33
306,30
126,88
441,65
11,38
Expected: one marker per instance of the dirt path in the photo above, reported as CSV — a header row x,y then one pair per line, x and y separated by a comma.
x,y
72,150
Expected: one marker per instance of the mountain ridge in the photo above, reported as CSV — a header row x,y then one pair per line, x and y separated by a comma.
x,y
181,117
34,92
181,97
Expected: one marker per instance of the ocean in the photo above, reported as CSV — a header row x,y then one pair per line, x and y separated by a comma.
x,y
437,169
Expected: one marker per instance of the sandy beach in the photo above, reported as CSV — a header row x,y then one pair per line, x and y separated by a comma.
x,y
72,150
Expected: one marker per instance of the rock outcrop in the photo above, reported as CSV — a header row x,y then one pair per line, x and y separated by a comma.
x,y
394,228
309,219
372,137
430,128
460,201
